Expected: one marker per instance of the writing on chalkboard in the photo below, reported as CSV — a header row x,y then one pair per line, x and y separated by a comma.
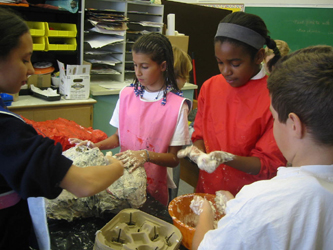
x,y
306,22
299,27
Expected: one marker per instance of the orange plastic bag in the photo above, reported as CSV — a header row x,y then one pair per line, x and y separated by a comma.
x,y
60,130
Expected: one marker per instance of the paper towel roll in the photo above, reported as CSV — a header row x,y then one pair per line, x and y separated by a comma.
x,y
171,25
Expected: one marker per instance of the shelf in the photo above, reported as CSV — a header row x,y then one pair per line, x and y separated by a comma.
x,y
140,17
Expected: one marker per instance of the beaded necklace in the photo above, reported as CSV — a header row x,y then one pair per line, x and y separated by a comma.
x,y
139,90
159,91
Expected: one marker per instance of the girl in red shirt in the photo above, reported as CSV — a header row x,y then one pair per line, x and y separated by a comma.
x,y
233,141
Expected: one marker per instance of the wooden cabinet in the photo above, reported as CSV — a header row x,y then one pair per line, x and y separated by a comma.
x,y
79,111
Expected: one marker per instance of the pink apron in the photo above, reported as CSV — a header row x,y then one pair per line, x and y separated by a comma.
x,y
149,125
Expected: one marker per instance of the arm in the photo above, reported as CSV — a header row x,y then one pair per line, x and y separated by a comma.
x,y
109,143
169,159
209,162
135,159
247,164
88,181
205,223
200,145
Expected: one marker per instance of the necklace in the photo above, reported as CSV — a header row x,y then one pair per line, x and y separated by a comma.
x,y
159,91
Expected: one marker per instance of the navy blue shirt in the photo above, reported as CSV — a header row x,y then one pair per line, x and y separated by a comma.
x,y
29,163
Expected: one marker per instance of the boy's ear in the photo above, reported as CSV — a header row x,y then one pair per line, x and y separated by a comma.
x,y
296,125
163,66
260,56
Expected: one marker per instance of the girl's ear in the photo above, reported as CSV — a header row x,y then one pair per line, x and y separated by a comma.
x,y
260,56
297,126
163,66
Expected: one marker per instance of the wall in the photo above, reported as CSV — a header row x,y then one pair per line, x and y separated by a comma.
x,y
200,24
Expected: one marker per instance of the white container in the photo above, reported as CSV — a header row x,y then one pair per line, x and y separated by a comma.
x,y
55,81
75,81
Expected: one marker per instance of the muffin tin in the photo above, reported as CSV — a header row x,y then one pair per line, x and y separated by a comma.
x,y
137,230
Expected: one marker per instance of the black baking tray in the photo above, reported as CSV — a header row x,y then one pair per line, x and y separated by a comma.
x,y
46,98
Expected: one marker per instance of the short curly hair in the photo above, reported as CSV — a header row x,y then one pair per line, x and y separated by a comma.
x,y
302,83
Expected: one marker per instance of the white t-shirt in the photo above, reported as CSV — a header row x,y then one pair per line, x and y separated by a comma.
x,y
181,136
293,210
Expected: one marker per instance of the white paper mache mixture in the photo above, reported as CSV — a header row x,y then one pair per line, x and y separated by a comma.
x,y
128,191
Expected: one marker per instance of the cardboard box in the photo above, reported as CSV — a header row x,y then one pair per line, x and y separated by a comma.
x,y
74,81
179,41
40,80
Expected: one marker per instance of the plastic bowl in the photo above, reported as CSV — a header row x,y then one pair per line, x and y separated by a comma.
x,y
184,218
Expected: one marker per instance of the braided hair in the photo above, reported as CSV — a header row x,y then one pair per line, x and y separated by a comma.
x,y
159,48
256,24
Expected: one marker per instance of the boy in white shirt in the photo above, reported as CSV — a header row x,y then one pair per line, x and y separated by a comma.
x,y
294,209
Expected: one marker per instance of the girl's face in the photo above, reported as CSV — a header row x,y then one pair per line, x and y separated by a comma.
x,y
15,69
148,72
235,63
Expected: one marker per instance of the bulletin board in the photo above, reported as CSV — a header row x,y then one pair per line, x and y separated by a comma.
x,y
299,27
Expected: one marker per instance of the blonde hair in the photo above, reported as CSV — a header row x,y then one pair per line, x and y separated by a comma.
x,y
182,63
281,45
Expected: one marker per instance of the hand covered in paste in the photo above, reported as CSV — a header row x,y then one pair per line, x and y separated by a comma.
x,y
200,204
79,142
132,159
112,159
191,152
208,162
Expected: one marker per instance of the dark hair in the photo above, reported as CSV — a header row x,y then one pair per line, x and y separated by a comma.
x,y
302,83
159,48
12,27
254,23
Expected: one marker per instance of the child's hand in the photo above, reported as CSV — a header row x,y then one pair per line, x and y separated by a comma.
x,y
209,162
191,152
79,142
132,159
112,159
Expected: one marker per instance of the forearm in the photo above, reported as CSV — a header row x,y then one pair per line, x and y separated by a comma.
x,y
200,145
205,223
84,182
169,159
109,143
247,164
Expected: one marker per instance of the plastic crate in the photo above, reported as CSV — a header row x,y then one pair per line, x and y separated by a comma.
x,y
36,28
61,43
61,30
38,43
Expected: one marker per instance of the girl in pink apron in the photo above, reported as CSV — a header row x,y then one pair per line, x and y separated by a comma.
x,y
151,115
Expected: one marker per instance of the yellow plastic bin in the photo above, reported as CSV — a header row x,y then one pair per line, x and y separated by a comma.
x,y
38,43
36,28
61,30
61,43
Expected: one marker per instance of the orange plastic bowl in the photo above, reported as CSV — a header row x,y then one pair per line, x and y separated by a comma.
x,y
184,218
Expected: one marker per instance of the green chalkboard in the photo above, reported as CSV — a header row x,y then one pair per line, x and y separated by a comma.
x,y
299,27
